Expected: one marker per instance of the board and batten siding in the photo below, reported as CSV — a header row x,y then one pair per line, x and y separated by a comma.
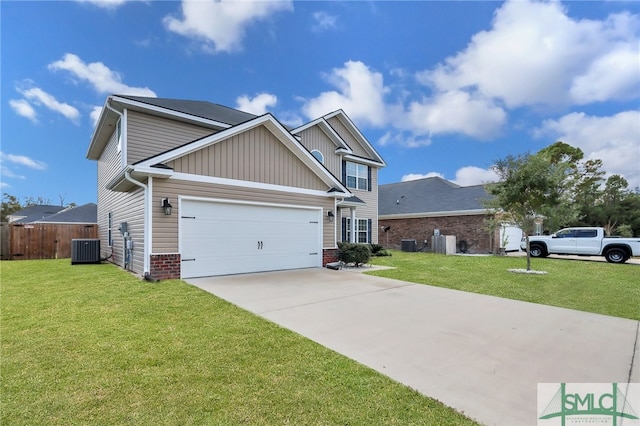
x,y
165,228
315,138
348,137
254,156
124,207
148,135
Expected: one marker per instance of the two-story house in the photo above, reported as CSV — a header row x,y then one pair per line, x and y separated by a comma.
x,y
191,188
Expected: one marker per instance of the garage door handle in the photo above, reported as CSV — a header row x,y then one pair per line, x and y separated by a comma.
x,y
260,245
188,260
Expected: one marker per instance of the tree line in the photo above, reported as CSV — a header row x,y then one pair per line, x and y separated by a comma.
x,y
559,188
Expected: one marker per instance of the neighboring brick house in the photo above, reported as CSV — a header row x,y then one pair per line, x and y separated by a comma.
x,y
414,210
190,188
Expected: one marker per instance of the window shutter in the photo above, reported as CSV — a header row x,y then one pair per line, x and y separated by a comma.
x,y
369,230
344,172
369,178
344,229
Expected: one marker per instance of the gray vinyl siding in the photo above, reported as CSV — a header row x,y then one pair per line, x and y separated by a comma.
x,y
255,156
348,137
125,207
315,138
165,228
148,135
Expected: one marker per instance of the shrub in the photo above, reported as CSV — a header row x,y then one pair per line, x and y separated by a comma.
x,y
354,253
378,251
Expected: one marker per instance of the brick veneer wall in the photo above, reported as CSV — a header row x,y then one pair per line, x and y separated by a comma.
x,y
329,255
471,229
165,266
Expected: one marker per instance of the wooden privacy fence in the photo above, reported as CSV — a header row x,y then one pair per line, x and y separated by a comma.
x,y
42,240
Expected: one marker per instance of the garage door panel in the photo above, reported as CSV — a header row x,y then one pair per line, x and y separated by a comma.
x,y
226,238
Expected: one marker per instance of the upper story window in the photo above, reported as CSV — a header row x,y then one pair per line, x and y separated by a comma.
x,y
357,176
318,156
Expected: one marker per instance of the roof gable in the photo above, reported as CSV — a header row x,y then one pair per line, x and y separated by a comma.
x,y
357,137
273,127
205,114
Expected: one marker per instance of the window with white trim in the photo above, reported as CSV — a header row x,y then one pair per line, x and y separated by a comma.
x,y
362,230
318,156
357,176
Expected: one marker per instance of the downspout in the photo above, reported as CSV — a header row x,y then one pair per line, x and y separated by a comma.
x,y
147,215
127,176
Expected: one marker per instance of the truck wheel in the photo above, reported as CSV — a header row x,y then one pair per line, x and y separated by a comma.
x,y
616,255
537,250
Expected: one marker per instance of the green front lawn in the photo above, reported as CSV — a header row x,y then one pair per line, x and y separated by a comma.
x,y
91,344
597,287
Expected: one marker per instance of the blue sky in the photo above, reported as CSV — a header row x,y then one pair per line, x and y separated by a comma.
x,y
438,88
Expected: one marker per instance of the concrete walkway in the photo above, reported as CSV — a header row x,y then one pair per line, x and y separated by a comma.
x,y
481,355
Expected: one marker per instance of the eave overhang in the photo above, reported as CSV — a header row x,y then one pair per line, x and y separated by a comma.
x,y
121,184
418,215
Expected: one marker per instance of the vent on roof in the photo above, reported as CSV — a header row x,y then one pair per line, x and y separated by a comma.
x,y
85,251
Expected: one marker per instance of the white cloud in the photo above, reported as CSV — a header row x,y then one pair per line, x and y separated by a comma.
x,y
471,175
259,105
615,140
536,54
360,94
324,21
416,176
221,24
7,173
99,76
615,75
456,112
40,97
105,4
24,109
403,139
95,115
466,176
23,160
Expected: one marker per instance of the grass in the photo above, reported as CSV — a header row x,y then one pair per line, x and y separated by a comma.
x,y
91,344
597,287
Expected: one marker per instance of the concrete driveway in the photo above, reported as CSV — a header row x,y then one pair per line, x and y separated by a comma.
x,y
481,355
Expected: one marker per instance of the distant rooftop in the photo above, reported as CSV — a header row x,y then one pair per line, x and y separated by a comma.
x,y
34,213
429,195
87,213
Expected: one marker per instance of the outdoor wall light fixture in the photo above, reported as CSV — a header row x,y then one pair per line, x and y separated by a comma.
x,y
330,216
166,206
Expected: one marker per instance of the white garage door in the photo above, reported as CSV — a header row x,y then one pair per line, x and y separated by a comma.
x,y
218,238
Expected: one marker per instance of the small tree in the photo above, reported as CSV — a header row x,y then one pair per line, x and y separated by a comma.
x,y
526,186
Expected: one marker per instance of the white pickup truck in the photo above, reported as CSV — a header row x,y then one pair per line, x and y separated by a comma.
x,y
583,242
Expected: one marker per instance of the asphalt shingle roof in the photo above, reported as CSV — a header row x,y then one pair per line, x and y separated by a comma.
x,y
429,195
201,109
35,213
87,213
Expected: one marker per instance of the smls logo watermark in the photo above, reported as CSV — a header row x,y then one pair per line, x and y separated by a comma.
x,y
616,404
